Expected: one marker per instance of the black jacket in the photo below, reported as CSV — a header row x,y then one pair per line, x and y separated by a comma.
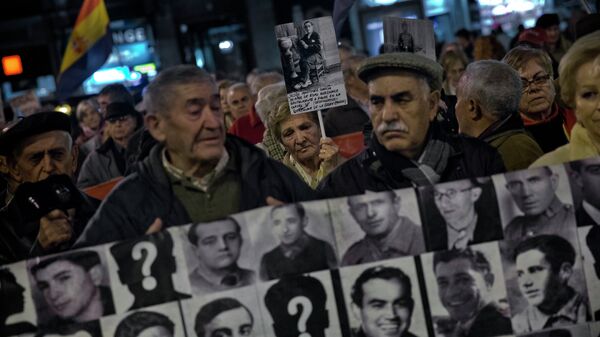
x,y
490,322
146,194
470,157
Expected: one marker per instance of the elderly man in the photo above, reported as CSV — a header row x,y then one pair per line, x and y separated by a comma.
x,y
488,96
298,252
195,173
465,280
217,246
408,147
534,192
544,265
224,317
34,149
387,233
382,301
71,287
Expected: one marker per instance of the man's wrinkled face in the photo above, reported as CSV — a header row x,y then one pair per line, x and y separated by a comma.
x,y
588,178
532,190
386,308
288,226
44,155
67,288
456,201
232,323
461,288
538,95
218,245
375,213
155,331
401,107
239,101
537,282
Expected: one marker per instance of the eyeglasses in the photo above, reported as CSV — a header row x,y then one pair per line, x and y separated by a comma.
x,y
537,81
450,194
114,120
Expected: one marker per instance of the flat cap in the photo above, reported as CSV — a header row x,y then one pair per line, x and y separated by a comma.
x,y
118,109
35,124
377,65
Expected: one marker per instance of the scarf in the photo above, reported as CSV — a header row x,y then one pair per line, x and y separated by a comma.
x,y
427,169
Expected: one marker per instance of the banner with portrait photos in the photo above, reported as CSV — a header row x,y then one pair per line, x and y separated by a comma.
x,y
515,254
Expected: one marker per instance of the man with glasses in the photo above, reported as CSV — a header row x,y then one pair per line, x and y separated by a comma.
x,y
534,193
109,160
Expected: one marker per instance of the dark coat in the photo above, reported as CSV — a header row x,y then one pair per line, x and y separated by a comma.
x,y
583,218
490,322
470,157
147,194
487,229
103,164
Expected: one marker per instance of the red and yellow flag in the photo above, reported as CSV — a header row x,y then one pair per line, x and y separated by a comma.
x,y
89,46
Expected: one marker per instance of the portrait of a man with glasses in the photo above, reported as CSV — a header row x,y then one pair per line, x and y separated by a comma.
x,y
460,213
534,193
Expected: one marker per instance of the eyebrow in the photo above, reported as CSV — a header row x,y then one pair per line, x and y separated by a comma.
x,y
61,273
397,95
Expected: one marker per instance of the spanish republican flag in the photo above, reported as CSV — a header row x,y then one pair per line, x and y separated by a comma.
x,y
89,46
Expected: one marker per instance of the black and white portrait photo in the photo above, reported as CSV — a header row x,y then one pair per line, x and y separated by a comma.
x,y
148,271
408,36
230,313
17,315
460,213
585,183
218,256
311,64
299,304
536,201
545,281
589,240
162,320
377,226
466,291
292,239
383,299
71,287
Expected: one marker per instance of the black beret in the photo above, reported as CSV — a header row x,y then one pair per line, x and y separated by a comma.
x,y
547,20
35,124
118,109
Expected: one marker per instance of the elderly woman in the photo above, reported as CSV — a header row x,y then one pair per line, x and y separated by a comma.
x,y
307,154
579,78
544,119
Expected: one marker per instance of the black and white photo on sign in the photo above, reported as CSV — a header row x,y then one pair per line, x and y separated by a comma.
x,y
384,299
584,176
545,282
300,305
589,241
233,312
536,201
466,291
377,225
17,314
148,271
85,329
311,64
595,329
291,239
459,213
580,330
71,287
162,320
219,255
408,36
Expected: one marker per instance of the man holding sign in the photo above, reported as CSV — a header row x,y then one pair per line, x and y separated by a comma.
x,y
408,147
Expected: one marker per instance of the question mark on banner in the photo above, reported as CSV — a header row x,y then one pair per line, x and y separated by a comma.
x,y
149,282
307,309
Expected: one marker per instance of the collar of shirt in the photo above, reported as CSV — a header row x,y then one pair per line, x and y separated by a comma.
x,y
457,237
203,183
291,251
570,313
219,280
554,208
395,240
310,180
592,211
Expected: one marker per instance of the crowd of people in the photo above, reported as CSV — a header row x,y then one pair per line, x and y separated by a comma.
x,y
198,150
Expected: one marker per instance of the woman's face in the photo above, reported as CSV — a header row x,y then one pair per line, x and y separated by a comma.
x,y
223,100
453,72
587,98
90,117
300,136
538,94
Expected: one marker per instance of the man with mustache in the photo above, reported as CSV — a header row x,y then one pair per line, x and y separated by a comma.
x,y
387,233
408,147
544,266
195,173
465,280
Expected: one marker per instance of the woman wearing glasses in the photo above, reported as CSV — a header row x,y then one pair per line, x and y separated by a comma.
x,y
544,119
579,80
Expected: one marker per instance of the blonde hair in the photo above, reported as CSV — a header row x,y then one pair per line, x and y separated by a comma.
x,y
520,55
92,103
584,50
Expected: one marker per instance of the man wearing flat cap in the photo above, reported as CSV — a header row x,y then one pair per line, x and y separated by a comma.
x,y
33,149
408,148
109,160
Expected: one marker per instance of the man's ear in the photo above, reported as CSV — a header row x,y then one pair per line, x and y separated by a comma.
x,y
565,272
356,311
489,280
474,110
155,125
475,193
96,274
554,181
433,102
